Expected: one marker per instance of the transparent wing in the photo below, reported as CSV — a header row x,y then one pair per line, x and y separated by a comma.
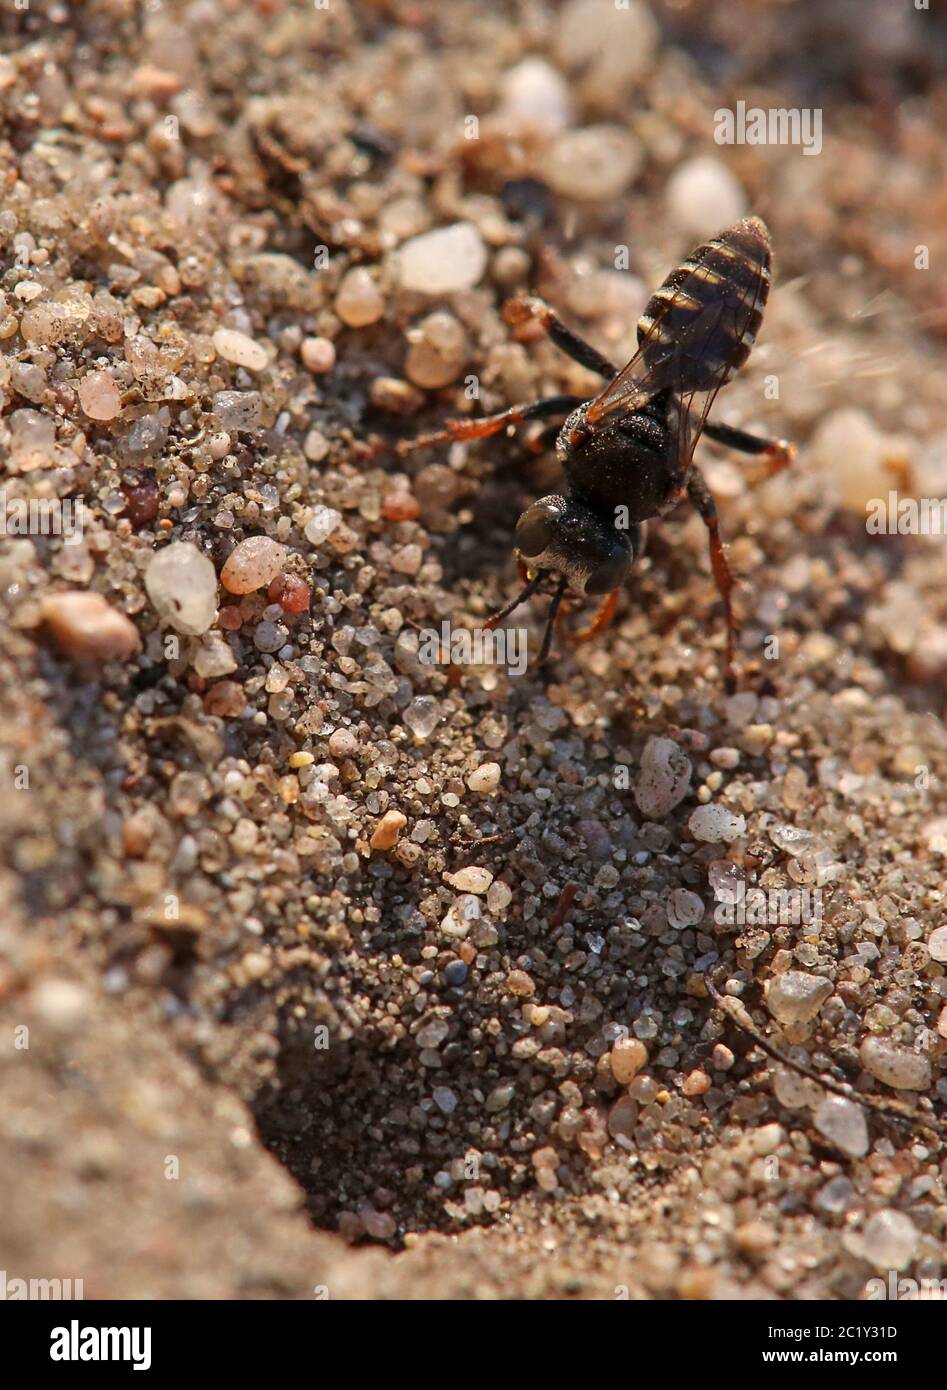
x,y
731,321
647,374
693,407
696,339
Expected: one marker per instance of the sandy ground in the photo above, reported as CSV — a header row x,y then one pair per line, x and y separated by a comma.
x,y
326,970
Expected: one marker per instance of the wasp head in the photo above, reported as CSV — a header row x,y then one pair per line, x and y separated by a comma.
x,y
560,534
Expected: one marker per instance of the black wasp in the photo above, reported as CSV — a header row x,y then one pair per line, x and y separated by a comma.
x,y
627,453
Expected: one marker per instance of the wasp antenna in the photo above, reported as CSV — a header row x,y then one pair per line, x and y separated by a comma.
x,y
736,1011
551,620
526,592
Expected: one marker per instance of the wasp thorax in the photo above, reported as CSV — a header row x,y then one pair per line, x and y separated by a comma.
x,y
562,535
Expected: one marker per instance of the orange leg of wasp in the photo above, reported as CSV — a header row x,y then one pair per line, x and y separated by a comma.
x,y
776,454
700,495
775,459
526,309
603,616
485,425
780,455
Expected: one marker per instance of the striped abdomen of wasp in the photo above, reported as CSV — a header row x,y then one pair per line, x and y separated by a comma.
x,y
627,453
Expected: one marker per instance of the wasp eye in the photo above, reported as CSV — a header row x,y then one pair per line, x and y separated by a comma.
x,y
535,529
608,576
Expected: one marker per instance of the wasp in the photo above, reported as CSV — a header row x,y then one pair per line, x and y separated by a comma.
x,y
627,454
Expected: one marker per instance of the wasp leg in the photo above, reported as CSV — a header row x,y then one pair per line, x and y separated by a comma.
x,y
700,495
526,309
603,616
486,425
777,453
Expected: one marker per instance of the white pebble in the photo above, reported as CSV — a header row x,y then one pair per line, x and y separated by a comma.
x,y
238,410
99,396
359,301
664,778
240,350
895,1066
535,94
937,944
422,715
610,44
714,824
461,917
795,1092
32,440
251,564
443,261
318,355
850,450
473,879
499,897
594,164
890,1240
214,657
321,524
704,198
685,909
796,996
843,1123
182,586
485,778
315,446
62,1005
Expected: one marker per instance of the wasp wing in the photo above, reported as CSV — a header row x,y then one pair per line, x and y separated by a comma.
x,y
693,406
638,382
674,329
697,329
662,366
731,321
